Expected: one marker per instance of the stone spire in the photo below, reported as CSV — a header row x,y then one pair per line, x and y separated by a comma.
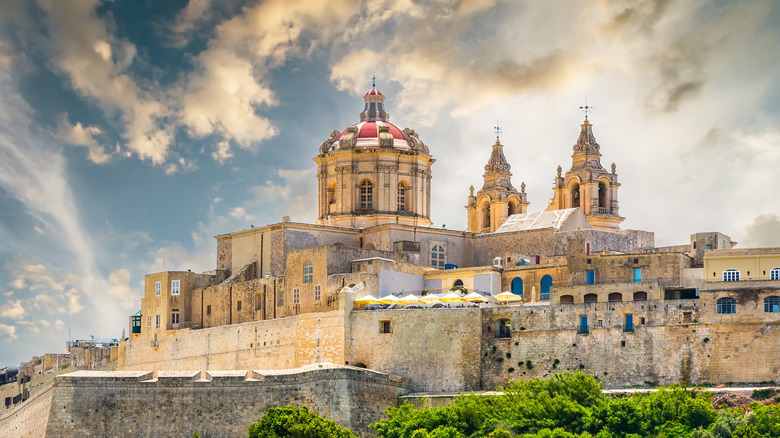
x,y
586,143
375,106
497,162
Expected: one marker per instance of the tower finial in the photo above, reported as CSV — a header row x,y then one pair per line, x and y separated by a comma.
x,y
586,109
373,81
497,128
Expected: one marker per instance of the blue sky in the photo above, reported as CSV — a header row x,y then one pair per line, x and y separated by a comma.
x,y
132,132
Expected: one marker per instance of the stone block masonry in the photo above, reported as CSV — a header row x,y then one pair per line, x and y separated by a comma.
x,y
214,403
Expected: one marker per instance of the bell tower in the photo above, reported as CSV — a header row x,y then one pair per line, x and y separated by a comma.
x,y
497,199
588,185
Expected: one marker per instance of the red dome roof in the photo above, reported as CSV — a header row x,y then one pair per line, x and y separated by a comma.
x,y
373,91
368,135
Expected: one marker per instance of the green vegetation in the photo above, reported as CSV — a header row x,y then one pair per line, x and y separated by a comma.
x,y
291,421
571,405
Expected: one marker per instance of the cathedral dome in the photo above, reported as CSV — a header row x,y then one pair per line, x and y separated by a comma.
x,y
374,130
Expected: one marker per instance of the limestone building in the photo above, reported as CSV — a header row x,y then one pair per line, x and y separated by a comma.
x,y
590,295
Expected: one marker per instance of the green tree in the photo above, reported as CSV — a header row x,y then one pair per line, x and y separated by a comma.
x,y
291,421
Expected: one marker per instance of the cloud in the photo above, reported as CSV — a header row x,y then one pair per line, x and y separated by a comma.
x,y
35,278
222,152
240,214
6,56
181,165
96,64
13,310
118,287
763,232
84,136
9,331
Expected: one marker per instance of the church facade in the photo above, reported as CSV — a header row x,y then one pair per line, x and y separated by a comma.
x,y
283,295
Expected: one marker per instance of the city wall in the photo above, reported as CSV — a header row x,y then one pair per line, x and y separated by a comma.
x,y
457,349
176,404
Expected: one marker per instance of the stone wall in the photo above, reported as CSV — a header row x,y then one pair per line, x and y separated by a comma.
x,y
175,404
29,419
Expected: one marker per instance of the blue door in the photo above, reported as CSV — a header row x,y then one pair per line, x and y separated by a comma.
x,y
517,286
591,277
583,324
546,284
629,323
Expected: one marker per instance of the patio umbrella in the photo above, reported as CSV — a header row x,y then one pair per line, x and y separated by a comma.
x,y
430,299
452,297
475,298
507,297
368,299
390,299
409,299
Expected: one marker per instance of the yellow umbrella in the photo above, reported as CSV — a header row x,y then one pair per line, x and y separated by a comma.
x,y
475,298
430,299
507,297
409,299
390,299
452,297
368,299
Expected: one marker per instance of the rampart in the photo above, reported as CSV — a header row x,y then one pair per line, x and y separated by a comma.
x,y
214,403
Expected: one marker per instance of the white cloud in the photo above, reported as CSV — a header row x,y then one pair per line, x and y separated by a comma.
x,y
13,310
240,214
222,151
96,64
35,278
9,331
84,136
118,286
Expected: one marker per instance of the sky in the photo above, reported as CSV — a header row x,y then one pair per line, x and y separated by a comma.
x,y
134,131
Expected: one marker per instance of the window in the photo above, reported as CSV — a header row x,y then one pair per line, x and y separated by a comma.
x,y
280,299
567,299
637,275
458,283
546,284
438,257
774,274
175,318
772,304
591,298
157,321
296,296
726,306
317,293
709,246
401,197
258,302
158,288
615,296
640,296
584,325
366,195
385,327
591,277
503,329
629,326
175,287
208,309
731,275
599,323
238,305
149,321
308,271
517,286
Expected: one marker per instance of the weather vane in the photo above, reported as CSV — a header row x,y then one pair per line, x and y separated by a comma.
x,y
497,128
373,81
586,109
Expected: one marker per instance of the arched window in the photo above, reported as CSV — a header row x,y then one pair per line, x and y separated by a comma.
x,y
546,284
514,206
567,299
331,195
774,274
308,271
731,275
485,215
615,296
602,195
726,305
503,329
458,283
402,197
575,196
366,195
517,286
438,256
772,304
640,296
591,298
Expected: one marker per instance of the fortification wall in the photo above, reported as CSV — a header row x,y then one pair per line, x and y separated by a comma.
x,y
29,419
175,404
